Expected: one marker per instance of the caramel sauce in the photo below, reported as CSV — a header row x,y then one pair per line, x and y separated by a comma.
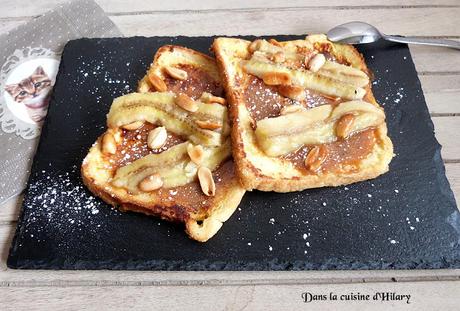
x,y
177,203
342,155
197,82
134,145
264,101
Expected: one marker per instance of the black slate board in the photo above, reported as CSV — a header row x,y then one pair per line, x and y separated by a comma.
x,y
406,218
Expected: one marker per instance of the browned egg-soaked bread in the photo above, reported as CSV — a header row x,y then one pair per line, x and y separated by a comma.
x,y
167,150
303,114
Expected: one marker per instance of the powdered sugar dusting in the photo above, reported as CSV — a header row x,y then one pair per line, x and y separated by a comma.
x,y
59,205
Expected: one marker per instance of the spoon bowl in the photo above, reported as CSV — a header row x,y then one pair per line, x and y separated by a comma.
x,y
361,32
354,33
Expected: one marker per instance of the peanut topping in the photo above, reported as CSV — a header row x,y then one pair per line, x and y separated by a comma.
x,y
292,91
344,125
109,145
208,125
209,98
144,86
185,102
316,62
276,78
278,57
315,158
157,82
334,98
157,137
360,92
275,42
176,73
206,181
196,153
151,183
133,126
254,46
291,109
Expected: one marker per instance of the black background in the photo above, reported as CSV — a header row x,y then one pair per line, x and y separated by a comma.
x,y
406,218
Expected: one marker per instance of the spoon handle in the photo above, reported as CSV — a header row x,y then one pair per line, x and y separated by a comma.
x,y
436,42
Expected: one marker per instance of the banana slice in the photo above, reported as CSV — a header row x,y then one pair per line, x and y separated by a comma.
x,y
173,166
159,108
345,74
306,79
286,133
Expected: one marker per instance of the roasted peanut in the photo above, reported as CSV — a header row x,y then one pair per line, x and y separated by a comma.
x,y
275,42
176,73
292,92
315,158
109,145
185,102
254,45
276,78
157,82
157,137
208,125
143,87
344,125
278,57
196,153
206,181
151,183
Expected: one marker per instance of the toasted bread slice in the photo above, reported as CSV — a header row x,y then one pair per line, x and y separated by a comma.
x,y
303,114
168,153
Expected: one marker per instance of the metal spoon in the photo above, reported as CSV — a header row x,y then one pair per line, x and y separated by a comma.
x,y
360,32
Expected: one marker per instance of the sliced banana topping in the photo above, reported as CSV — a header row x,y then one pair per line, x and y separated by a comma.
x,y
271,61
279,74
157,137
343,73
286,133
174,166
159,108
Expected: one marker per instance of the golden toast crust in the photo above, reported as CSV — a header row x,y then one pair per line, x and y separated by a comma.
x,y
253,175
201,221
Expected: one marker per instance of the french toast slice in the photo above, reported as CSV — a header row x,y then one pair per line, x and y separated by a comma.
x,y
167,149
303,113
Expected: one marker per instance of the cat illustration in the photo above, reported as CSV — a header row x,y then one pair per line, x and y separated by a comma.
x,y
33,92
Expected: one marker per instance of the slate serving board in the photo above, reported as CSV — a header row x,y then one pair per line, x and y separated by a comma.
x,y
406,218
